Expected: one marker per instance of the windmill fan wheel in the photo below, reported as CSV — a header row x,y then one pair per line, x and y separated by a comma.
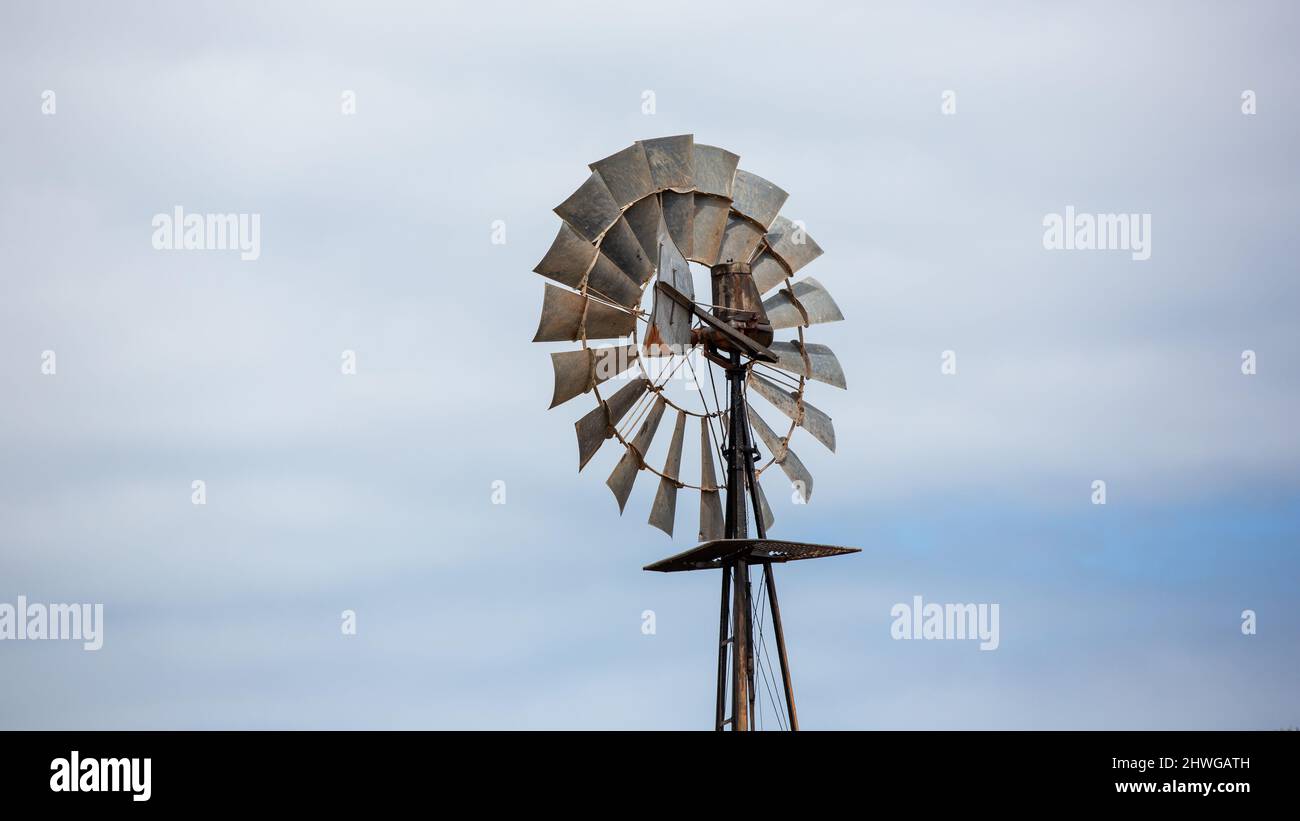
x,y
642,215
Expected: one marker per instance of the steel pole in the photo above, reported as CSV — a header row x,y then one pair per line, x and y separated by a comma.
x,y
740,650
738,528
723,642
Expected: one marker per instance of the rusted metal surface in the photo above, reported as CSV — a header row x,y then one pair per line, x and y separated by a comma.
x,y
710,498
625,472
791,244
739,241
737,303
794,469
590,210
714,554
672,162
737,340
710,224
577,372
679,216
715,170
799,411
562,318
756,198
810,360
664,510
670,320
626,174
593,429
810,305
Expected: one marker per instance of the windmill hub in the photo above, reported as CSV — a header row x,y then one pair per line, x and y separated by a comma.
x,y
737,302
636,224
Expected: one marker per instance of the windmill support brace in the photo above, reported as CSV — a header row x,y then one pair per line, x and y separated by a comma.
x,y
736,592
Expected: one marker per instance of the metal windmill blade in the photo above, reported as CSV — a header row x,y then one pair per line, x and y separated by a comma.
x,y
598,425
672,162
626,175
670,323
810,361
568,317
708,228
644,218
591,209
793,405
711,522
805,303
782,455
757,199
740,240
572,260
577,372
790,244
637,222
664,511
764,508
625,472
679,217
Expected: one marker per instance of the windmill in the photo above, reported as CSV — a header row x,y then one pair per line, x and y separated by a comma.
x,y
624,251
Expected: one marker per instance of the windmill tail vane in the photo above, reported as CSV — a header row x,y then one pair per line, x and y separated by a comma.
x,y
623,255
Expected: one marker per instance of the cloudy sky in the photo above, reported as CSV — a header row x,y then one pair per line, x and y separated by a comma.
x,y
373,492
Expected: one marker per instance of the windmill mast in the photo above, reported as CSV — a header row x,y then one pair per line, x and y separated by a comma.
x,y
738,328
643,216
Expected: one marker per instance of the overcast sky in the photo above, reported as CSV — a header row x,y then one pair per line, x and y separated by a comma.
x,y
372,492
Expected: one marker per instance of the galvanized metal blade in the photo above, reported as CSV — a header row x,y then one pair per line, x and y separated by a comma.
x,y
607,281
768,271
569,258
679,216
577,372
711,520
563,318
791,244
623,248
670,323
590,210
672,162
799,476
598,425
811,360
764,507
626,175
756,198
710,225
740,240
664,511
800,411
811,305
644,218
625,472
715,170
